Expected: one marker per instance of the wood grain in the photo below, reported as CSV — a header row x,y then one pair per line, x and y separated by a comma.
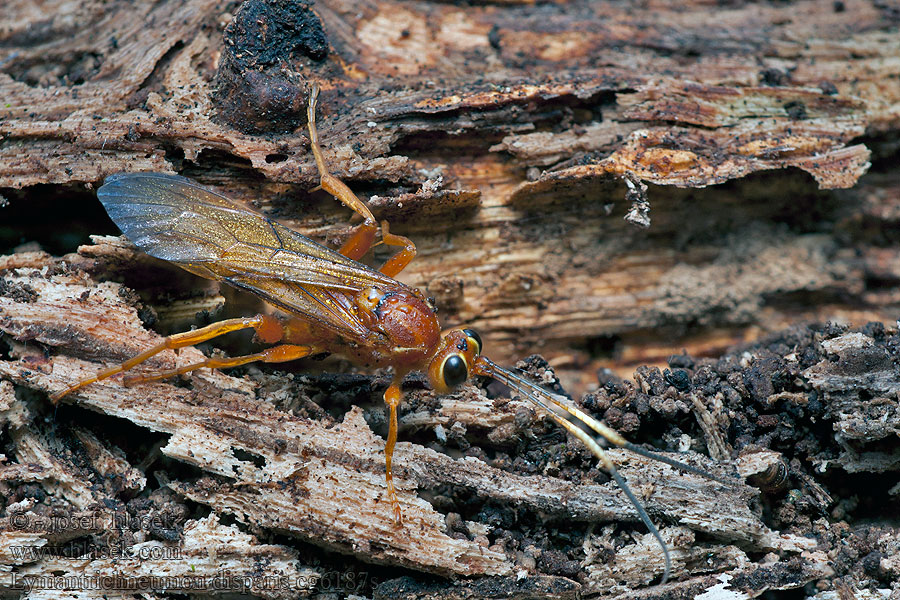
x,y
605,183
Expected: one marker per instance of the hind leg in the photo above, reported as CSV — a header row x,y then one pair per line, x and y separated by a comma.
x,y
268,329
275,354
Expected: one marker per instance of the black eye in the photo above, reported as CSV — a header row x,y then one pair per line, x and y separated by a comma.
x,y
454,370
476,339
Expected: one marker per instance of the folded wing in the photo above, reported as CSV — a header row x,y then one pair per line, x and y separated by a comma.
x,y
174,219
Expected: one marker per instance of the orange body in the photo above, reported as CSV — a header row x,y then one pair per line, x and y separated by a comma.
x,y
404,330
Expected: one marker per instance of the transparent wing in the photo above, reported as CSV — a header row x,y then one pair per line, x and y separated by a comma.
x,y
174,219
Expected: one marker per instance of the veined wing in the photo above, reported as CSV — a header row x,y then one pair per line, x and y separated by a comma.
x,y
174,219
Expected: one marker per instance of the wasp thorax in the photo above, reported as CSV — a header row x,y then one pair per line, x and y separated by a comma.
x,y
410,326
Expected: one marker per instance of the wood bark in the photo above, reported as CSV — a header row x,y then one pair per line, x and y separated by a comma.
x,y
499,138
258,450
604,183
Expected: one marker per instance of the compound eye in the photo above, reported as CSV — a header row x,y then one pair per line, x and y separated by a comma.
x,y
474,338
454,371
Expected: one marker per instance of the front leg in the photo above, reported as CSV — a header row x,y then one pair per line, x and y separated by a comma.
x,y
392,397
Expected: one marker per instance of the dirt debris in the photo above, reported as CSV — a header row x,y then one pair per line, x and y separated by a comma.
x,y
529,501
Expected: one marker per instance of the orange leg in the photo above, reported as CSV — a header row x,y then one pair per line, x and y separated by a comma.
x,y
275,354
364,236
392,397
397,262
268,329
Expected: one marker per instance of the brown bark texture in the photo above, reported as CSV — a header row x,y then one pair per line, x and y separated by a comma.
x,y
605,183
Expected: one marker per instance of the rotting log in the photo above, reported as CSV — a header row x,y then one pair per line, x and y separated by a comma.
x,y
496,494
500,138
508,140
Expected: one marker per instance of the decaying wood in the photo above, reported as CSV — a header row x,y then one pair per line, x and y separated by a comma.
x,y
255,453
499,138
525,147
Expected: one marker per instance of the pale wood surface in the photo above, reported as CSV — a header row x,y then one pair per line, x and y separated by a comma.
x,y
510,140
259,457
496,137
